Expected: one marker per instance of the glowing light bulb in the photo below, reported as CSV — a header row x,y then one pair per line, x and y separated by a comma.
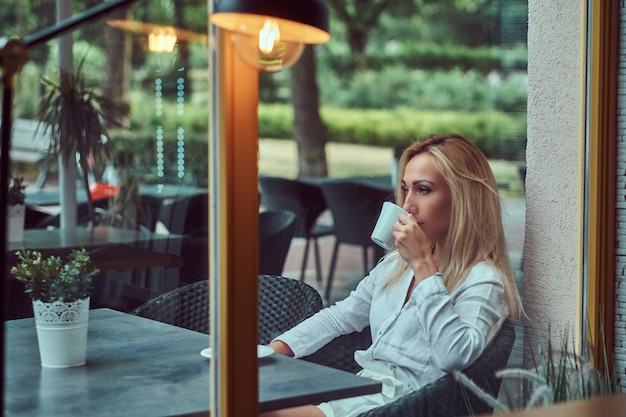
x,y
269,36
162,40
267,51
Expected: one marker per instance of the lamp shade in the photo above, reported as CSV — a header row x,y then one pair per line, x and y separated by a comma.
x,y
304,21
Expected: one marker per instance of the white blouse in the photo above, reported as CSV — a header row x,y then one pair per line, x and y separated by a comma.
x,y
433,333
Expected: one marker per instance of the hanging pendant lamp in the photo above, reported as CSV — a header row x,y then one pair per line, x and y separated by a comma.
x,y
270,34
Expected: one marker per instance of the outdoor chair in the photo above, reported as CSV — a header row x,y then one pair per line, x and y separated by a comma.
x,y
306,201
182,217
187,307
355,208
283,303
195,253
275,233
445,397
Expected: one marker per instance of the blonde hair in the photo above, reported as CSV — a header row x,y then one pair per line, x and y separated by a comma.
x,y
475,233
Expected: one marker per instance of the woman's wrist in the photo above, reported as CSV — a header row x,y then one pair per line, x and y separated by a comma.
x,y
424,269
281,348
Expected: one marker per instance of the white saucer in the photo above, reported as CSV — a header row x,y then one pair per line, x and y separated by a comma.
x,y
262,351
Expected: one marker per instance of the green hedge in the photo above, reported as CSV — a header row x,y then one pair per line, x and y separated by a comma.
x,y
499,135
433,56
396,87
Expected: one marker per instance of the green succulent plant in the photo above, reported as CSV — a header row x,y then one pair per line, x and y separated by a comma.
x,y
53,279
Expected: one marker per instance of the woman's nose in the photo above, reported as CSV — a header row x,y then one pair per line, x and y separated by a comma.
x,y
407,206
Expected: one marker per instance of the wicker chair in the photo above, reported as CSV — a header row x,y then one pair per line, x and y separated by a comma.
x,y
275,233
307,202
445,397
187,307
283,303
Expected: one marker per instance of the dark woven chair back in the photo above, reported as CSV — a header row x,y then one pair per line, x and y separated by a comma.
x,y
195,253
307,202
283,303
446,397
185,215
355,208
187,307
275,233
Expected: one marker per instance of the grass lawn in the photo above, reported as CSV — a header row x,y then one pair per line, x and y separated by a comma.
x,y
280,158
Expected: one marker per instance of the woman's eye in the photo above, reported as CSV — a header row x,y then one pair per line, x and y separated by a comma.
x,y
423,190
405,189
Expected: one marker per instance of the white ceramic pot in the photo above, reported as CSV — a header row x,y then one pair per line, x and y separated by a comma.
x,y
62,332
16,215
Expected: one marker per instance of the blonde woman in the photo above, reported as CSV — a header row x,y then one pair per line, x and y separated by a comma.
x,y
435,302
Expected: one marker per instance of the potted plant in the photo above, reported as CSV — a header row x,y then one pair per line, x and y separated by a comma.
x,y
77,119
60,291
17,209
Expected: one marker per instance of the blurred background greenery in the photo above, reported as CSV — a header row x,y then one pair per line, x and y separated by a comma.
x,y
389,75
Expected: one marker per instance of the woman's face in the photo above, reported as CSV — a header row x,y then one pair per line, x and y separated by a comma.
x,y
427,196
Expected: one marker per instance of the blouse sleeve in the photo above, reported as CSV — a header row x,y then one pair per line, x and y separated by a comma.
x,y
346,316
460,324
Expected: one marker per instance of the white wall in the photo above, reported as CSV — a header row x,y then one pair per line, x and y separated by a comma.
x,y
553,180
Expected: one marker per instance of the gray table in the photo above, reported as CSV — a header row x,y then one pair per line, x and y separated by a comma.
x,y
86,237
139,367
50,197
110,249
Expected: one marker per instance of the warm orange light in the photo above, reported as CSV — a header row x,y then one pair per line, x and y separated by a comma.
x,y
250,24
162,39
268,43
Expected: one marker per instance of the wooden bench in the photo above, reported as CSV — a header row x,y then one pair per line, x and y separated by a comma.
x,y
29,144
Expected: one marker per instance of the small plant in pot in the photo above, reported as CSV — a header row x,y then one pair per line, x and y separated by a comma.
x,y
51,279
17,209
60,290
17,191
77,119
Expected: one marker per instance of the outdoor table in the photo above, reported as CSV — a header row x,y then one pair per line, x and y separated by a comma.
x,y
155,193
140,367
128,246
110,249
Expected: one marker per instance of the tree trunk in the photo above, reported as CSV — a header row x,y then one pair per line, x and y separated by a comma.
x,y
357,39
310,131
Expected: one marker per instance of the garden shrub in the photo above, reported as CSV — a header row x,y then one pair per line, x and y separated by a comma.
x,y
395,86
432,57
498,134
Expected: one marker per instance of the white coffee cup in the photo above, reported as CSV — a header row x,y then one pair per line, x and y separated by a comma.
x,y
383,234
